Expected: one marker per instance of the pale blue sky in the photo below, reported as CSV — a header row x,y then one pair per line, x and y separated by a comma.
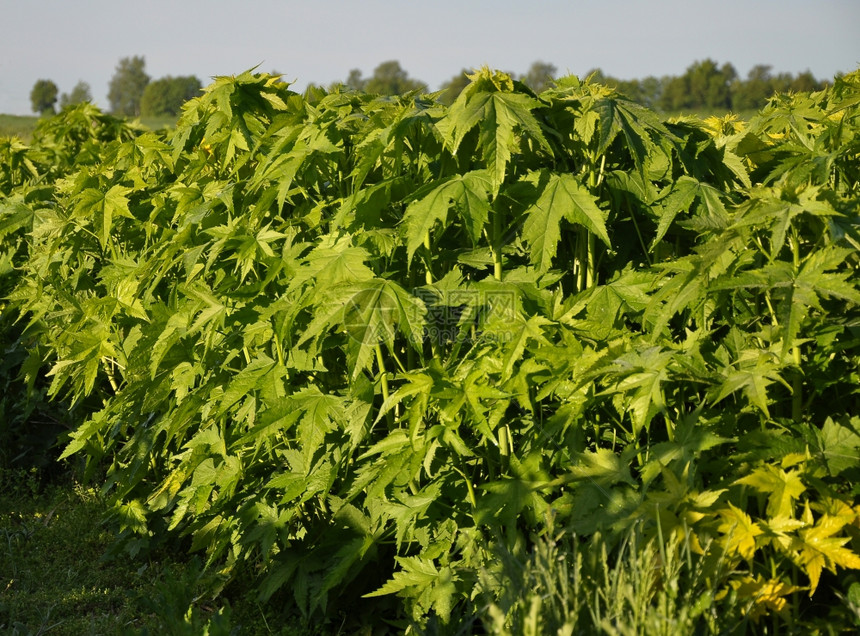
x,y
321,40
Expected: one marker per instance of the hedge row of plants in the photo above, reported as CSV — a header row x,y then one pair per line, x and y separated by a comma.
x,y
380,348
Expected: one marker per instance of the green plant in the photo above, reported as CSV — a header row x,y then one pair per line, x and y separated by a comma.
x,y
359,345
565,586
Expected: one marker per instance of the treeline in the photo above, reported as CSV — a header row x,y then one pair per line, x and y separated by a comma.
x,y
707,85
131,92
704,85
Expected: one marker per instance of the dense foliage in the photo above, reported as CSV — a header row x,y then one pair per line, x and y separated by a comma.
x,y
370,346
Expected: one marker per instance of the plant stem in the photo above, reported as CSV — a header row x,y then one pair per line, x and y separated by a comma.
x,y
504,447
428,260
797,380
383,379
497,245
796,387
589,264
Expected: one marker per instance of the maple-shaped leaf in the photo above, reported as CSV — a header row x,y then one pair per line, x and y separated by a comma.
x,y
684,192
779,530
639,377
839,445
811,282
606,303
419,578
320,415
333,261
639,126
102,207
561,196
781,487
469,195
816,548
509,498
370,313
766,595
692,437
515,332
755,371
603,467
739,532
491,104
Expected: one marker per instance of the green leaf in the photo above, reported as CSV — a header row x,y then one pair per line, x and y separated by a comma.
x,y
755,372
839,445
561,196
469,195
102,207
635,122
684,192
420,578
603,467
490,104
641,375
782,488
369,314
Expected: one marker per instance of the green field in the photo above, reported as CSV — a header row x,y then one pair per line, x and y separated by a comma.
x,y
17,126
345,363
22,126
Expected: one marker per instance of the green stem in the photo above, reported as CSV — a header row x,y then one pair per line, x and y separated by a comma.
x,y
796,387
108,365
602,167
497,245
770,310
472,499
504,447
410,351
797,380
641,240
428,253
589,261
582,259
383,379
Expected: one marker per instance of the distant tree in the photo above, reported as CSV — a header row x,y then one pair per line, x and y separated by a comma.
x,y
43,97
806,82
80,93
453,87
539,76
755,91
389,78
703,85
651,90
165,97
127,86
631,89
355,81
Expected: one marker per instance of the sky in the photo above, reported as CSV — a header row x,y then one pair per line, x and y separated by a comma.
x,y
319,41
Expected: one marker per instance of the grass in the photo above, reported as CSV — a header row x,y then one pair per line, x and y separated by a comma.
x,y
158,123
56,579
22,126
17,126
